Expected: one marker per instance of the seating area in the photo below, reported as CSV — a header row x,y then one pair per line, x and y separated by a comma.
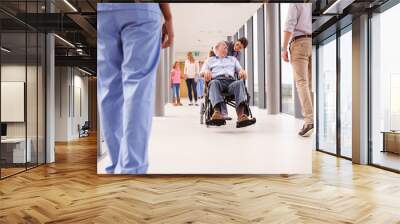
x,y
84,129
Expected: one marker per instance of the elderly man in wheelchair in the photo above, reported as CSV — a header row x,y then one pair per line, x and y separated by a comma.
x,y
219,74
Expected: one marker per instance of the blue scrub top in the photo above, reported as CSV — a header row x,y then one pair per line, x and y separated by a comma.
x,y
154,7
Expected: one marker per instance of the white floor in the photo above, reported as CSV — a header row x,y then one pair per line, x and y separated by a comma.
x,y
180,145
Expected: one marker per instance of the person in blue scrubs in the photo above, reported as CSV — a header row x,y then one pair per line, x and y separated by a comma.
x,y
129,41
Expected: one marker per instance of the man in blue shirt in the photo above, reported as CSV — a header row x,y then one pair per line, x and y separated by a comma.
x,y
128,43
220,71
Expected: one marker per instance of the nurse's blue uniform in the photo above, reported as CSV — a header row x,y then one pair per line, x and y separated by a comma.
x,y
128,52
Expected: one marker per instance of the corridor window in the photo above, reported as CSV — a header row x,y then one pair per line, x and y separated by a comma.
x,y
255,55
327,96
287,99
385,84
346,92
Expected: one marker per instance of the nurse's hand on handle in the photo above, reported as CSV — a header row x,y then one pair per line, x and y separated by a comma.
x,y
207,76
242,74
167,29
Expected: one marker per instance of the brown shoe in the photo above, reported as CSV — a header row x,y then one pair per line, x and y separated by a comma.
x,y
216,119
244,121
307,130
217,116
178,101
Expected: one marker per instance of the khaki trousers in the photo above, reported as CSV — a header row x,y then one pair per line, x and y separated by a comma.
x,y
300,53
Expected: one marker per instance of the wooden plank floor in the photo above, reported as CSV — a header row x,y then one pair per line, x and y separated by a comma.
x,y
70,191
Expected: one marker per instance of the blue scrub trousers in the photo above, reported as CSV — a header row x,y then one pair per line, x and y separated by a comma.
x,y
128,53
200,87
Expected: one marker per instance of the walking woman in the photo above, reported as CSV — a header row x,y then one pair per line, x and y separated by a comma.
x,y
175,84
201,82
199,86
190,71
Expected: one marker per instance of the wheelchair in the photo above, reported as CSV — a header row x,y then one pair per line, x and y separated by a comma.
x,y
206,108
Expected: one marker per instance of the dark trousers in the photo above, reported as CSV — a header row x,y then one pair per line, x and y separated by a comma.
x,y
191,85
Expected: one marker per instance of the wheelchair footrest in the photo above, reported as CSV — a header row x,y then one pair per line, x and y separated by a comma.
x,y
246,123
215,122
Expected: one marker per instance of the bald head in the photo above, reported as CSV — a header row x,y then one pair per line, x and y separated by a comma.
x,y
221,49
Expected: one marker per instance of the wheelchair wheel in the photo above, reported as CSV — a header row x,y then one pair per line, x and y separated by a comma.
x,y
208,112
202,112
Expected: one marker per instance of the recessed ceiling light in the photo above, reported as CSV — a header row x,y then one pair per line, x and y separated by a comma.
x,y
5,50
84,71
337,7
70,5
64,40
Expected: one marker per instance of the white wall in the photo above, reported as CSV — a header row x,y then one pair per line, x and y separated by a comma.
x,y
13,101
71,87
79,118
61,103
33,126
12,73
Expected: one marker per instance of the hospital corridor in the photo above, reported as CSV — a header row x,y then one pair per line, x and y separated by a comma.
x,y
184,141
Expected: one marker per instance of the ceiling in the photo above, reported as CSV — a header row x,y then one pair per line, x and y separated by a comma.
x,y
198,26
72,20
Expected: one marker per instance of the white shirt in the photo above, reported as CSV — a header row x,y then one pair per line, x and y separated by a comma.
x,y
191,69
299,19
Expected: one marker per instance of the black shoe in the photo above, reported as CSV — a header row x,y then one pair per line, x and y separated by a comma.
x,y
307,130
